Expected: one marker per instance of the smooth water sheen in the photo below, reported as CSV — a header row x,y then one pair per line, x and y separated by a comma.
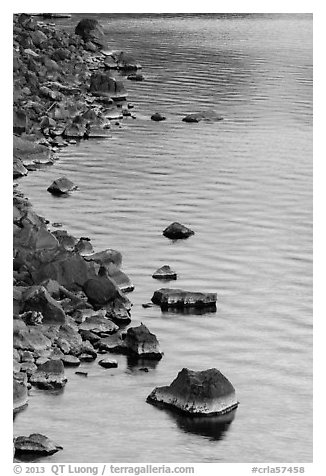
x,y
244,185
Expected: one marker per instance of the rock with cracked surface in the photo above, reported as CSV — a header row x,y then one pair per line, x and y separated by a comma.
x,y
180,299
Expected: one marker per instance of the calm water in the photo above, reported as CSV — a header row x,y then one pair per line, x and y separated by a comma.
x,y
244,185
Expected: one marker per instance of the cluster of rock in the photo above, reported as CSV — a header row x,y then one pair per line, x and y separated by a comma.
x,y
69,302
64,88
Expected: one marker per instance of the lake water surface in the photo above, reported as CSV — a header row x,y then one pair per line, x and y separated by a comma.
x,y
244,185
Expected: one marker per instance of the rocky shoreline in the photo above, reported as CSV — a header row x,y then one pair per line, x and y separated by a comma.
x,y
69,303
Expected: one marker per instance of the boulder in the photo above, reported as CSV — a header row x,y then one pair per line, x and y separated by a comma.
x,y
165,272
158,117
98,325
197,393
19,170
106,257
49,375
121,279
61,186
142,343
90,30
37,298
104,85
113,343
176,231
84,247
69,269
108,363
70,361
117,312
208,116
35,445
20,396
100,290
30,338
125,61
66,240
178,298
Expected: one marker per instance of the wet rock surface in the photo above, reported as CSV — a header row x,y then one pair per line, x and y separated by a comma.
x,y
197,393
35,445
176,231
49,375
61,186
142,343
178,298
165,272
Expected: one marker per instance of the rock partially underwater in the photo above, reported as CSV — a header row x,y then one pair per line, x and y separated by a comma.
x,y
201,393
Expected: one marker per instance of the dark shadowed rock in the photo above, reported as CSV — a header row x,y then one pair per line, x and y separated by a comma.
x,y
90,30
108,363
176,231
158,117
205,393
20,396
61,186
208,116
179,298
35,445
49,375
100,290
38,299
142,343
104,85
135,77
20,121
165,272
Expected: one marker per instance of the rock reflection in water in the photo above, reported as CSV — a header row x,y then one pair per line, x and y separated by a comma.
x,y
213,427
135,364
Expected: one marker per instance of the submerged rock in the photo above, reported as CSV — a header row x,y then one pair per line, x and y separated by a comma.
x,y
158,117
179,298
205,393
36,445
142,343
208,116
165,272
61,186
49,375
176,231
135,77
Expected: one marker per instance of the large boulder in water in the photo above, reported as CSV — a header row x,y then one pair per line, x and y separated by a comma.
x,y
61,186
100,290
49,375
203,393
143,343
90,30
35,445
104,85
178,298
207,116
176,231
